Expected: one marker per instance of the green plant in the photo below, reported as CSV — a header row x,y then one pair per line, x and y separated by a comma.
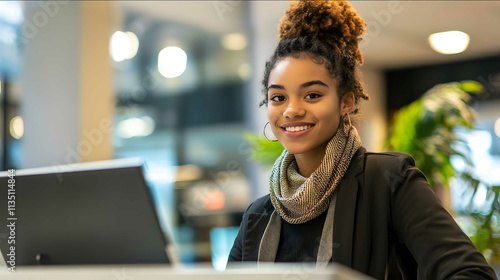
x,y
263,151
486,231
426,129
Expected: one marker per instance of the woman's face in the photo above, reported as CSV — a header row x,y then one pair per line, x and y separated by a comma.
x,y
303,105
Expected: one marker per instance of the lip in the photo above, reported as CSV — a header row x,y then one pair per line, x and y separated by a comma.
x,y
296,133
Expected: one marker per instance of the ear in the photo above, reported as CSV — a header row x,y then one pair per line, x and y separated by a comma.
x,y
347,104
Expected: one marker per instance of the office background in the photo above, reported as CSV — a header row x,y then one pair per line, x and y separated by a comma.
x,y
177,83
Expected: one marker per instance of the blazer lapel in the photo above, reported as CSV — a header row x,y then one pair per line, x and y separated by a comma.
x,y
345,211
256,226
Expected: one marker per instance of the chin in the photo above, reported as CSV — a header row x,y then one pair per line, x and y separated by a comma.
x,y
293,149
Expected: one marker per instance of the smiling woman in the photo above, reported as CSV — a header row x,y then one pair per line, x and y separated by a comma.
x,y
303,109
330,200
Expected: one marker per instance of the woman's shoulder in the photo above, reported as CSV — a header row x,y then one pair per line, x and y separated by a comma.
x,y
394,162
261,205
389,160
389,155
392,170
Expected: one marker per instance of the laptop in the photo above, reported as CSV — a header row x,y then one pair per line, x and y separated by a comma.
x,y
86,213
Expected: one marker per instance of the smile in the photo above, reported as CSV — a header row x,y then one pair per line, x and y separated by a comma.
x,y
297,128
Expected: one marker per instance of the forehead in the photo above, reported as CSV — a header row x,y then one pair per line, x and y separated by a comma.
x,y
297,71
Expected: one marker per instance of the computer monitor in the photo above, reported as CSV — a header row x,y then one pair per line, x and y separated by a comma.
x,y
86,213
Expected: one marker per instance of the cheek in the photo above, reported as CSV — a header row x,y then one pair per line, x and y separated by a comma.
x,y
271,117
330,120
272,114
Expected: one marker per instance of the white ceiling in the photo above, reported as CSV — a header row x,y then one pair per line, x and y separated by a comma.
x,y
400,41
403,42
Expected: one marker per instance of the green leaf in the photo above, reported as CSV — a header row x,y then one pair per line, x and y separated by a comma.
x,y
471,87
264,151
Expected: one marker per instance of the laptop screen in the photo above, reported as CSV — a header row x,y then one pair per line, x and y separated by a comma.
x,y
87,213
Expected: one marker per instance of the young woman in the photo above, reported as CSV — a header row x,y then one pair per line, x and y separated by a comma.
x,y
330,200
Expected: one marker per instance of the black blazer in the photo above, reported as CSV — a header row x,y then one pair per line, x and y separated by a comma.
x,y
388,224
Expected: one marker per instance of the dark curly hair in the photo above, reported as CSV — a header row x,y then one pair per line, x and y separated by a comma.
x,y
327,32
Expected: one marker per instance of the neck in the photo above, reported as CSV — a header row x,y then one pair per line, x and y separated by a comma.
x,y
307,163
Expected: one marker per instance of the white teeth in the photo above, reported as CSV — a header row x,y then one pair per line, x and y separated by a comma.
x,y
297,128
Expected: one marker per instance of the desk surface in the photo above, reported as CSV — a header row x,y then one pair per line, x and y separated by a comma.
x,y
154,272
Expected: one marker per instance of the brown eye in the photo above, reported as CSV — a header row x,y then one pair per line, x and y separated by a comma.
x,y
313,96
277,98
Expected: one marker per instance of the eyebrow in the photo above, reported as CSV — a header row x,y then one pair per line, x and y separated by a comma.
x,y
304,85
311,83
275,86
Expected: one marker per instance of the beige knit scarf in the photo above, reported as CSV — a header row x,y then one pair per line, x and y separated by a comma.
x,y
298,204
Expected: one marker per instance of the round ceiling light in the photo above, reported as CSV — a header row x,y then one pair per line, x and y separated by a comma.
x,y
449,42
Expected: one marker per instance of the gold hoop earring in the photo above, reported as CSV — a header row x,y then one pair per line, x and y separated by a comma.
x,y
349,118
347,129
264,132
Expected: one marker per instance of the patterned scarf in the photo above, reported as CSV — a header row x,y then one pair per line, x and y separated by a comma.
x,y
298,200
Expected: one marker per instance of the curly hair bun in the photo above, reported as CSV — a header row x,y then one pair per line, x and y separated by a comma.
x,y
334,22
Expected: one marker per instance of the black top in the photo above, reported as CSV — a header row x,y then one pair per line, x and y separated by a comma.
x,y
301,241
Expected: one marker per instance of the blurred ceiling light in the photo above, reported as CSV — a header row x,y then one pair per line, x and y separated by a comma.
x,y
134,127
134,44
449,42
123,45
118,47
172,62
497,127
12,11
244,71
234,41
17,127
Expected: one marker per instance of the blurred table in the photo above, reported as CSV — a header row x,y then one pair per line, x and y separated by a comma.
x,y
134,272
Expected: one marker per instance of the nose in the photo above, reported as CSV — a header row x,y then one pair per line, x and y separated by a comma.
x,y
293,110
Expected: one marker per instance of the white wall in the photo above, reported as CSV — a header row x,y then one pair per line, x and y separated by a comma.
x,y
50,84
66,83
